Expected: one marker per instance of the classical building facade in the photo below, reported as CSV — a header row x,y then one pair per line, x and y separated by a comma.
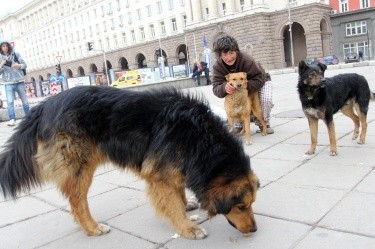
x,y
131,32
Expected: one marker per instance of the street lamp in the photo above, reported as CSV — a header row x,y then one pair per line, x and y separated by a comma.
x,y
90,48
290,35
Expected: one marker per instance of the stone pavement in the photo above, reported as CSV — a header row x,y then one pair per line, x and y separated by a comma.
x,y
305,202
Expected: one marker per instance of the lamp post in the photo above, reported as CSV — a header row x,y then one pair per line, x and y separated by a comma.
x,y
90,48
290,35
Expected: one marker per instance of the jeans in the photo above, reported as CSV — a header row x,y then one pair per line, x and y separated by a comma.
x,y
10,89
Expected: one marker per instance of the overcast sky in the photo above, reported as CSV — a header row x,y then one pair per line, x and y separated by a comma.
x,y
11,6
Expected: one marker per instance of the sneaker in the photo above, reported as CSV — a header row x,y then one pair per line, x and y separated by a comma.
x,y
12,122
269,130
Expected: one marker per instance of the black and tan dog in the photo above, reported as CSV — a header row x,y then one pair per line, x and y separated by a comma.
x,y
240,104
322,97
171,140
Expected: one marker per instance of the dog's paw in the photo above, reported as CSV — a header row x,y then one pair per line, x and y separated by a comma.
x,y
248,143
192,204
333,153
100,230
310,152
195,232
360,141
355,135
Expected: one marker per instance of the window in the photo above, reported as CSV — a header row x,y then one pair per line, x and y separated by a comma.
x,y
344,5
356,28
102,10
142,32
152,30
113,23
133,35
185,20
162,26
110,8
355,47
364,3
90,31
170,4
108,44
149,12
174,24
242,4
139,14
95,14
182,2
160,9
207,12
97,28
104,26
224,8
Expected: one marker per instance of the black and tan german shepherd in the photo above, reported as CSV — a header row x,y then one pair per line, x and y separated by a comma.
x,y
171,140
322,97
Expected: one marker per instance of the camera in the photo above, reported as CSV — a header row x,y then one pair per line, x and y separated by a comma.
x,y
8,63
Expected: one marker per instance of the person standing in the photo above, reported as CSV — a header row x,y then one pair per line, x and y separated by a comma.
x,y
11,65
197,71
231,60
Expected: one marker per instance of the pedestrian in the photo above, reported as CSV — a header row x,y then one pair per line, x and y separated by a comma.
x,y
11,68
360,55
197,71
206,71
231,60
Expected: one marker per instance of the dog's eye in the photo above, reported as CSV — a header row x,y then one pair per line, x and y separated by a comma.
x,y
242,207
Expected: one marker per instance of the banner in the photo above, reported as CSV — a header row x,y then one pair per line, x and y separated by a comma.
x,y
79,81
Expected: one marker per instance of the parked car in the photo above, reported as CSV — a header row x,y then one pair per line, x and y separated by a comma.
x,y
311,60
330,60
351,57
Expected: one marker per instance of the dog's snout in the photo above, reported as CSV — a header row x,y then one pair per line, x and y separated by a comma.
x,y
253,229
323,80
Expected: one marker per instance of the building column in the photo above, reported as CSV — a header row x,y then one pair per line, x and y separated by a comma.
x,y
212,6
230,7
189,14
197,10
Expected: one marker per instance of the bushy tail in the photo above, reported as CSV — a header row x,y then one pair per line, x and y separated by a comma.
x,y
18,169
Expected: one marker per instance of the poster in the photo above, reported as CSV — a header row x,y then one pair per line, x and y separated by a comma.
x,y
78,81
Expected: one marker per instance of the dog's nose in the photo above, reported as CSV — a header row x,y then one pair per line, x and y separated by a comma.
x,y
323,80
253,229
239,85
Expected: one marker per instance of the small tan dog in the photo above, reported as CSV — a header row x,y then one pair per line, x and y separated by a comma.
x,y
240,104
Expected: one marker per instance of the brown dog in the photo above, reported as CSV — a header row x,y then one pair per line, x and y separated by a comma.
x,y
240,104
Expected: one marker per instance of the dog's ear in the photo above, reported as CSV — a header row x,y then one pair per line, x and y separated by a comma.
x,y
302,67
322,66
245,75
227,77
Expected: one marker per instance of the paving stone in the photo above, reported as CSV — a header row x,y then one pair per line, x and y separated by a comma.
x,y
118,177
271,170
326,176
113,240
13,211
38,230
299,203
368,184
353,214
321,238
272,233
143,222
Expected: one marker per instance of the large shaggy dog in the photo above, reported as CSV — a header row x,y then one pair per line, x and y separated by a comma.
x,y
322,97
240,104
170,140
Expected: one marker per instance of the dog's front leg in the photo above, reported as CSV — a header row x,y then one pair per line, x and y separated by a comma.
x,y
168,203
332,137
313,124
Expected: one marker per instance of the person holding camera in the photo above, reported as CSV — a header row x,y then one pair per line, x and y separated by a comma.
x,y
12,67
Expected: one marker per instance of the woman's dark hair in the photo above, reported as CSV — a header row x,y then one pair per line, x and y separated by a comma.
x,y
225,44
10,49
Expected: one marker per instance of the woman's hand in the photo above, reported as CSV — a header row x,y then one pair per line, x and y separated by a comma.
x,y
229,88
16,66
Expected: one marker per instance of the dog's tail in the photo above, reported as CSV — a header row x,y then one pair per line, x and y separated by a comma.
x,y
18,168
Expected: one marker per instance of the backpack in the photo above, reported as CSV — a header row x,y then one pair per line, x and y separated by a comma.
x,y
16,60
